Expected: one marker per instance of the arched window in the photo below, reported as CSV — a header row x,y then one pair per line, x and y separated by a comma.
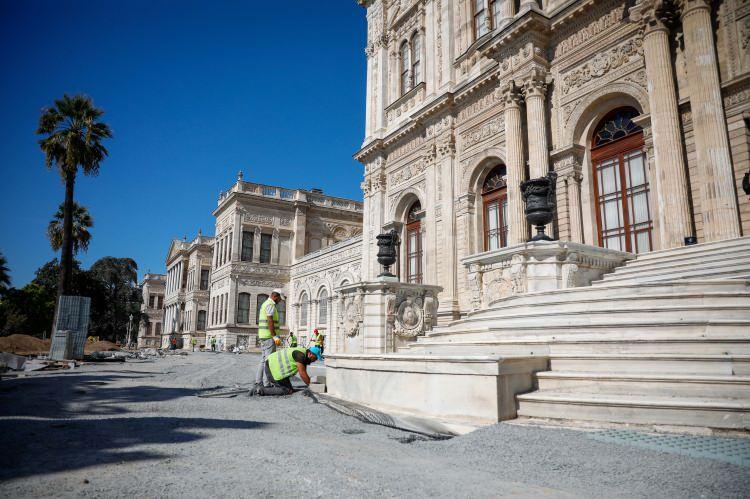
x,y
259,303
480,18
495,209
201,326
414,243
323,307
416,59
404,57
243,308
621,183
304,306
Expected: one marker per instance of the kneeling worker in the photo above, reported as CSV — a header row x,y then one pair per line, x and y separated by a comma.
x,y
282,365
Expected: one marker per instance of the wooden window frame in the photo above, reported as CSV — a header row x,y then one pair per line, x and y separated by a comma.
x,y
495,196
617,150
416,227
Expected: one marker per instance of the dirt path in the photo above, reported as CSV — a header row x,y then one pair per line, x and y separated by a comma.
x,y
138,429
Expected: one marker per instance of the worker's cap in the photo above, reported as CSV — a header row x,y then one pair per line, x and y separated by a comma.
x,y
279,292
317,352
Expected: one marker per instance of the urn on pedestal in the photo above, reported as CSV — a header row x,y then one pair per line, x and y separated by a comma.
x,y
539,196
387,244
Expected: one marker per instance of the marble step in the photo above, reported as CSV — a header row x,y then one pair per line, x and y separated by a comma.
x,y
714,412
680,385
712,328
596,302
720,365
715,271
615,292
622,316
703,248
729,257
719,346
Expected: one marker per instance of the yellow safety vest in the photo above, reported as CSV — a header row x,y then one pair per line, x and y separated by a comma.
x,y
263,332
281,363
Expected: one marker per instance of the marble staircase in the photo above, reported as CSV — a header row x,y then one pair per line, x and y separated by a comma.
x,y
663,340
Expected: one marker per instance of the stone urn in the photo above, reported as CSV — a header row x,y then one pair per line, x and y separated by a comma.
x,y
539,196
387,244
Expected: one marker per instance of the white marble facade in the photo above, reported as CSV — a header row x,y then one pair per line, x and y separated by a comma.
x,y
641,108
152,290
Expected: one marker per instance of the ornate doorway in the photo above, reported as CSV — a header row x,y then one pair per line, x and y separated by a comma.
x,y
621,185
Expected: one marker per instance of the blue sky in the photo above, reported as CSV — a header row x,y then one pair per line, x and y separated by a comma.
x,y
194,91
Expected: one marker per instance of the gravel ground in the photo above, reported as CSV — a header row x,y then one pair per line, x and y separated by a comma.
x,y
137,429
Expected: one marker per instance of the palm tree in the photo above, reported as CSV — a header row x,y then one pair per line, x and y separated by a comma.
x,y
72,139
4,275
82,222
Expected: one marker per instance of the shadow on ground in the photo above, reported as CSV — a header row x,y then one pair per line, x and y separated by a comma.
x,y
77,395
36,447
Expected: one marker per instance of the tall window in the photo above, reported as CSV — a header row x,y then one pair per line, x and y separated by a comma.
x,y
151,300
265,248
243,308
323,307
495,203
157,329
496,7
281,308
259,304
304,305
480,19
204,279
621,183
404,56
246,255
201,326
416,59
414,244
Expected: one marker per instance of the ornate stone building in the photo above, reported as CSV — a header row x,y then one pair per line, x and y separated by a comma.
x,y
152,289
641,110
187,285
266,235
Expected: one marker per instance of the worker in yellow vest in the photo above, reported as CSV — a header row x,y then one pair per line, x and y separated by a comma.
x,y
282,365
268,330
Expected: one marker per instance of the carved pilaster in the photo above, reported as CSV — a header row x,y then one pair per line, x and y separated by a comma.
x,y
567,163
535,91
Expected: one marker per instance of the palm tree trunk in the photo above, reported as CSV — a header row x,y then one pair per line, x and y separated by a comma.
x,y
66,258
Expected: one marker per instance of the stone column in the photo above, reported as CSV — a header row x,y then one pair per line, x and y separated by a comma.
x,y
535,90
573,184
672,192
507,13
236,237
256,245
518,228
717,189
528,4
300,224
275,247
567,163
448,308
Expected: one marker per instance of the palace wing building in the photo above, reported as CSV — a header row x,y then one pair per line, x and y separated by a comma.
x,y
641,110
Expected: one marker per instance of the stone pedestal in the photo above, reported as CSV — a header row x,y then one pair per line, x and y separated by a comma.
x,y
383,315
537,266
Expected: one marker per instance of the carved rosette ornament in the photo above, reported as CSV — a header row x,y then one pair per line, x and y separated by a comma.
x,y
409,318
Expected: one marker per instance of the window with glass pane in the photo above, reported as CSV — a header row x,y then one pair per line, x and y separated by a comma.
x,y
259,303
416,60
246,254
404,54
480,18
243,308
158,328
495,201
323,307
496,9
204,278
265,248
414,244
151,300
281,309
303,307
201,320
621,183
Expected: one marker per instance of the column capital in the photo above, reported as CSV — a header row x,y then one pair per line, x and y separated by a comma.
x,y
512,95
535,84
568,160
689,7
654,16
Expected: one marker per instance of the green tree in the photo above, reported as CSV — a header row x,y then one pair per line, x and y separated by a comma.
x,y
28,310
117,296
73,138
4,275
82,222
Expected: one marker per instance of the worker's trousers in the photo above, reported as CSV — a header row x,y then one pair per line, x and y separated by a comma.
x,y
267,347
283,387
